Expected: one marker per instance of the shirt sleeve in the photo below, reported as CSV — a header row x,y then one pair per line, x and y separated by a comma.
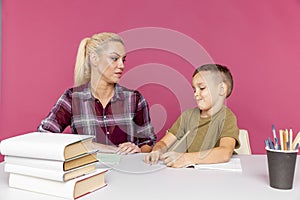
x,y
144,129
179,128
60,115
230,128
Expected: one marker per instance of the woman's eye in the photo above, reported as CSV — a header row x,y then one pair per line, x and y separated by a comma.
x,y
124,59
202,88
114,58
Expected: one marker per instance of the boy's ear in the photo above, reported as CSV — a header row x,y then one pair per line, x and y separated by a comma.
x,y
223,89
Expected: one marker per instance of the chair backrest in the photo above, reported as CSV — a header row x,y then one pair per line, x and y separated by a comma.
x,y
245,147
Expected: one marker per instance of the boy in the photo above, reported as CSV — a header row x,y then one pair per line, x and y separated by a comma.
x,y
209,131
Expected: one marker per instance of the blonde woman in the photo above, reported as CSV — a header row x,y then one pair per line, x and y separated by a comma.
x,y
97,105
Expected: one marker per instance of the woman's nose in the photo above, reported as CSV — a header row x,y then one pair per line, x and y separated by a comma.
x,y
121,64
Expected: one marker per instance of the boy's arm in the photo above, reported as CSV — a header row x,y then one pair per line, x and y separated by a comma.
x,y
159,148
219,154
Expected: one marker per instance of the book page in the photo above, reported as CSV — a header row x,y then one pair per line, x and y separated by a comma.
x,y
234,164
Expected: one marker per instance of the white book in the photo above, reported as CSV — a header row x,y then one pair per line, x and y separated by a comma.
x,y
50,174
66,165
52,146
71,189
234,164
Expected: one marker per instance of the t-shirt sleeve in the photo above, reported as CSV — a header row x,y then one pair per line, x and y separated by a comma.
x,y
230,128
179,128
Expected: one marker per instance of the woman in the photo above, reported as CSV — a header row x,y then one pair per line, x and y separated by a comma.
x,y
97,105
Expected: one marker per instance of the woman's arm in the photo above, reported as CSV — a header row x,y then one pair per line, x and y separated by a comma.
x,y
104,148
60,115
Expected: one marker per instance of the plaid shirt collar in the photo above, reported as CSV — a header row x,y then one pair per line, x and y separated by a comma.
x,y
119,93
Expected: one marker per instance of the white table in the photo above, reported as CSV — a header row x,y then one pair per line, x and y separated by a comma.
x,y
132,179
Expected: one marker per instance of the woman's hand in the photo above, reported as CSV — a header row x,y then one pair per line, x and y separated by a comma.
x,y
128,148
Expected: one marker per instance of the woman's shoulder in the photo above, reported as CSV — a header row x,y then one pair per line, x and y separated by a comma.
x,y
81,90
127,91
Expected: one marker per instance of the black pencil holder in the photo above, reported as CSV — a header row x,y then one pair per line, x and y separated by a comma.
x,y
281,166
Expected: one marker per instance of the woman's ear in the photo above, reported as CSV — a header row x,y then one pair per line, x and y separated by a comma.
x,y
94,59
223,89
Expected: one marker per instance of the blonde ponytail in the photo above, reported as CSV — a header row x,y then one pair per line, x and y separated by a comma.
x,y
82,69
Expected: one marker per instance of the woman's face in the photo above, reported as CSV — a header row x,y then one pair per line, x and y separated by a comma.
x,y
110,62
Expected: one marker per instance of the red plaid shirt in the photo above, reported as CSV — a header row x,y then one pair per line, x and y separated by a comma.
x,y
125,118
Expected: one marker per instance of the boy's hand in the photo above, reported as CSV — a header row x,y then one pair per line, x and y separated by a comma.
x,y
152,157
174,159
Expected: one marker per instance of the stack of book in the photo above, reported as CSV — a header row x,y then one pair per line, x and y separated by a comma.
x,y
62,165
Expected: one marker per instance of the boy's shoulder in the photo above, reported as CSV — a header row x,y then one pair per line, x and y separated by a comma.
x,y
229,112
191,111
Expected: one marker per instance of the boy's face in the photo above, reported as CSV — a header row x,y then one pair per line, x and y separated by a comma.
x,y
205,85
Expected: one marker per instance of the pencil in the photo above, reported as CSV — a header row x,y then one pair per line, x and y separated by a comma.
x,y
281,139
285,140
276,145
291,139
296,141
180,141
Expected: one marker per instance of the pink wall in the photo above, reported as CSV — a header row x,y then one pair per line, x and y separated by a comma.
x,y
258,40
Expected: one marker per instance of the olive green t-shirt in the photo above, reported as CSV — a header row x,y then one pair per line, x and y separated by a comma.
x,y
205,133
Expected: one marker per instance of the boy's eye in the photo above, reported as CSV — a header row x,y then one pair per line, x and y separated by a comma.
x,y
199,88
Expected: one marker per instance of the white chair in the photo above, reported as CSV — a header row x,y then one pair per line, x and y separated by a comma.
x,y
245,148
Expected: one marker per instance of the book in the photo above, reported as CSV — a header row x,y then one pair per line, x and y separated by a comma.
x,y
66,165
234,164
71,189
50,174
52,146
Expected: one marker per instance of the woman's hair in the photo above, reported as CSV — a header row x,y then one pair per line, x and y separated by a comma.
x,y
221,70
82,72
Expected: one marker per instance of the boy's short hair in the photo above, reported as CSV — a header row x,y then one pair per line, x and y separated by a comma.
x,y
220,69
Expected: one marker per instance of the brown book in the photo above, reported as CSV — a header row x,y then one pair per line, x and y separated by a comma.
x,y
50,174
71,189
66,165
52,146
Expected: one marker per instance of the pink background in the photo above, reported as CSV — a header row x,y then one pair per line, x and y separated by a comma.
x,y
258,40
